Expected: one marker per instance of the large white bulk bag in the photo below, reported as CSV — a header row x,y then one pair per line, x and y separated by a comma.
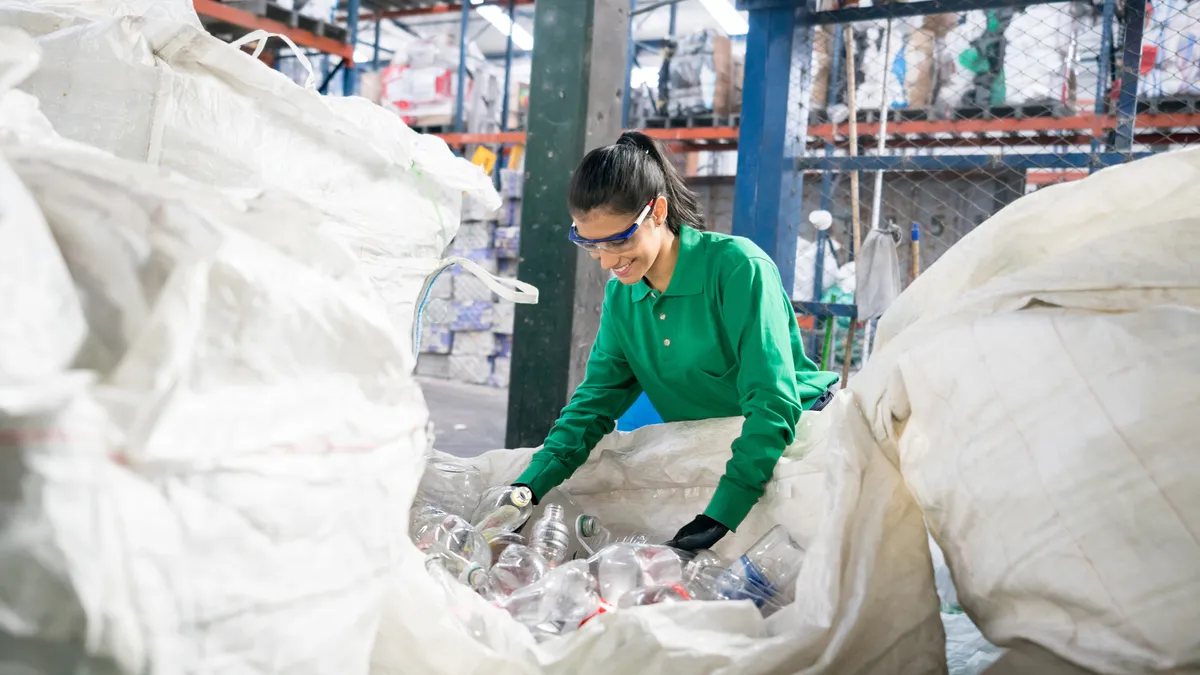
x,y
154,88
216,480
865,601
1042,401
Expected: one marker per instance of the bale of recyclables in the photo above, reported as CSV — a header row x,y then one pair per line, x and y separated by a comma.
x,y
145,81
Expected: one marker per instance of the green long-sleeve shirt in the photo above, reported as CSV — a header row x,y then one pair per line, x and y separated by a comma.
x,y
721,341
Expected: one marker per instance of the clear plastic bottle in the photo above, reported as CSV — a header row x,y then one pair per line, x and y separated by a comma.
x,y
618,571
594,536
550,537
518,567
661,566
453,538
453,488
766,573
653,595
500,540
558,602
503,508
702,559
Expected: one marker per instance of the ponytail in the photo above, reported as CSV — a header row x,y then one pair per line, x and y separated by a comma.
x,y
625,176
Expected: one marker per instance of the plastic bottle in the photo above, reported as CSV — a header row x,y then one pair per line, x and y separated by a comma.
x,y
456,559
702,559
618,571
503,508
661,566
453,488
594,536
518,567
500,540
653,595
766,572
550,536
453,538
558,602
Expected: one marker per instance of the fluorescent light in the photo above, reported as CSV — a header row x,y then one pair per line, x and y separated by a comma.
x,y
644,76
499,18
732,21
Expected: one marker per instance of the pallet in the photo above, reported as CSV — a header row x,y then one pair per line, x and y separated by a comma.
x,y
1044,109
692,121
871,116
1167,105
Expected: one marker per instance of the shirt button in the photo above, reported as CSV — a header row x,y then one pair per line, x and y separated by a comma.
x,y
662,316
666,343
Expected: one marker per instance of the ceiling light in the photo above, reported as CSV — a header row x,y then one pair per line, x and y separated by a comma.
x,y
499,18
732,21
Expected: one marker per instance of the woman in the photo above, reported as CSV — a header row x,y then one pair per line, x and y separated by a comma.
x,y
698,321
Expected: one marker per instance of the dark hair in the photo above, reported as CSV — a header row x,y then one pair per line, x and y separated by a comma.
x,y
625,176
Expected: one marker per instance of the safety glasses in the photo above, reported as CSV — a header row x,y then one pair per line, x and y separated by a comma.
x,y
617,242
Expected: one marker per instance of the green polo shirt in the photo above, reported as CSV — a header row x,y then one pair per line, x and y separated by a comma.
x,y
721,341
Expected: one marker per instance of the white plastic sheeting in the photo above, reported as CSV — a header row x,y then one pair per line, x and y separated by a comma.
x,y
1038,388
151,87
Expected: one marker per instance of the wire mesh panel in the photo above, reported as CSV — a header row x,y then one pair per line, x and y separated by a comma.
x,y
959,114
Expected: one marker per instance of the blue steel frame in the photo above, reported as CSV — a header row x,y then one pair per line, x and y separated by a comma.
x,y
768,187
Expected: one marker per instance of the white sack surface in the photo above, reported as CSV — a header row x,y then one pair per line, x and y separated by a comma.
x,y
153,86
865,596
213,473
1038,387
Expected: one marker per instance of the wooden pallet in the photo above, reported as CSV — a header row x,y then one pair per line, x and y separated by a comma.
x,y
1167,105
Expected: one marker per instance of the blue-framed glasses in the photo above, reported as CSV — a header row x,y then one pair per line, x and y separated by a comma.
x,y
617,242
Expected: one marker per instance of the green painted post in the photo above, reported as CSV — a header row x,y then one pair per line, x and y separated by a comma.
x,y
574,105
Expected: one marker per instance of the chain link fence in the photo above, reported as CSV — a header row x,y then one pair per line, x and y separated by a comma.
x,y
959,114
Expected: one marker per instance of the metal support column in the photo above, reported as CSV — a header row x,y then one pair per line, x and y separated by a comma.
x,y
766,192
671,21
350,76
1131,63
508,54
567,116
375,53
459,97
828,179
1103,75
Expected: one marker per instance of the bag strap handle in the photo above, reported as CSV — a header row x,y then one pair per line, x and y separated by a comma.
x,y
512,290
262,36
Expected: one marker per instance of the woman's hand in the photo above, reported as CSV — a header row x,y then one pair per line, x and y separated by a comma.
x,y
701,533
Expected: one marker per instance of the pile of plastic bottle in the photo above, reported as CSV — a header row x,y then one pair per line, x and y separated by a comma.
x,y
476,537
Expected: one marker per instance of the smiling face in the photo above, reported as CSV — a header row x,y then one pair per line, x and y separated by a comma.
x,y
631,260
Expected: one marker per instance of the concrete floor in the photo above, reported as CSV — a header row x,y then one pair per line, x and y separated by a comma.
x,y
467,419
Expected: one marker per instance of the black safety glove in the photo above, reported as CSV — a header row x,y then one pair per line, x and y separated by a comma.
x,y
701,533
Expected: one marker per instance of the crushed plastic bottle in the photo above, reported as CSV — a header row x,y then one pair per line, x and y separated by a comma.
x,y
558,602
500,540
550,536
702,559
452,488
518,567
766,573
595,537
653,595
503,509
661,566
617,571
453,538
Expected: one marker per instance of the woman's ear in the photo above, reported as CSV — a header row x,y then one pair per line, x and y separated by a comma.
x,y
660,211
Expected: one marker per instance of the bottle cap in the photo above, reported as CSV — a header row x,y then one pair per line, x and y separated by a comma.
x,y
587,526
521,496
475,576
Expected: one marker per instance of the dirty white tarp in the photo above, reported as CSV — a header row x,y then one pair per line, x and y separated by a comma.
x,y
1038,387
153,86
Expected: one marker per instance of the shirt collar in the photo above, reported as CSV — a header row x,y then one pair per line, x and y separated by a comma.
x,y
690,268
